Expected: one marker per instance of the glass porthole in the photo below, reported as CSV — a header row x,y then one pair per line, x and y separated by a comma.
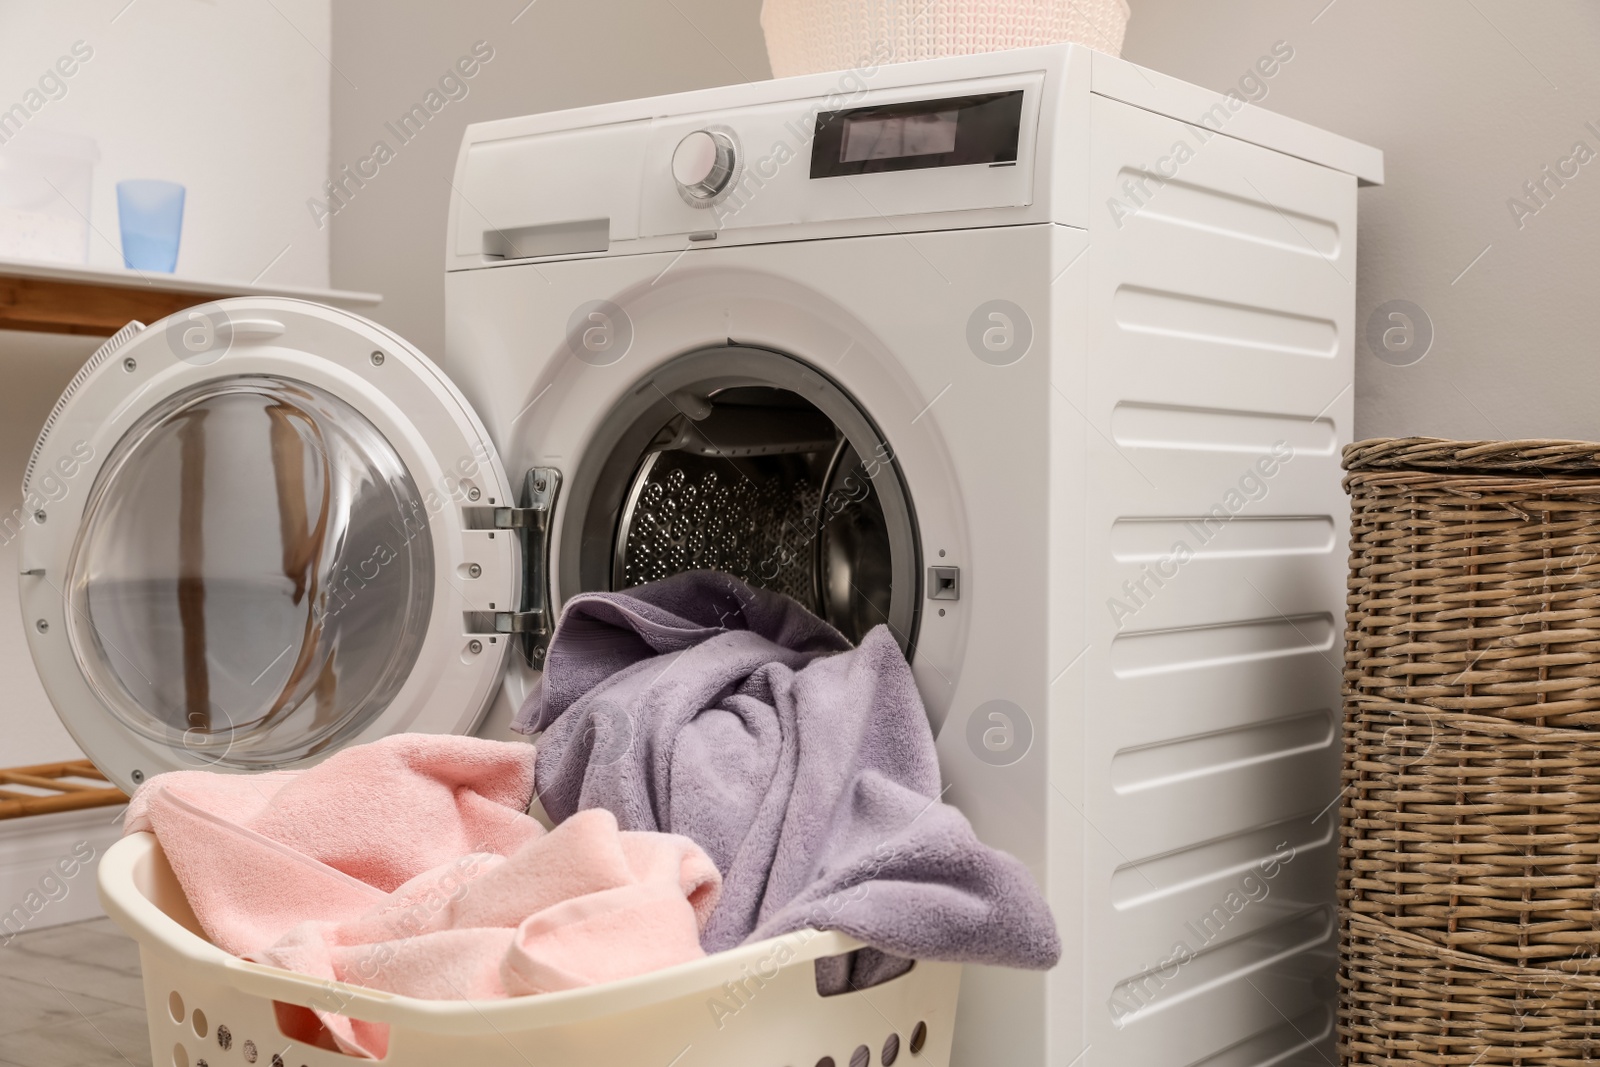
x,y
253,577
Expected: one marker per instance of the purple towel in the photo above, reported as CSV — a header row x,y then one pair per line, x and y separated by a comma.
x,y
700,706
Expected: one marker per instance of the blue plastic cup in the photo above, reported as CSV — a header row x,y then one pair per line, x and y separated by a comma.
x,y
150,213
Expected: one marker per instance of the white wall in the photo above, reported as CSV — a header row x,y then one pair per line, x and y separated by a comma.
x,y
1468,102
35,372
230,99
548,55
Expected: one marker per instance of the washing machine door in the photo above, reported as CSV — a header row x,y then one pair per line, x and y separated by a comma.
x,y
259,531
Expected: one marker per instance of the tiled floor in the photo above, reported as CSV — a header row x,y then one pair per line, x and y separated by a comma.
x,y
71,996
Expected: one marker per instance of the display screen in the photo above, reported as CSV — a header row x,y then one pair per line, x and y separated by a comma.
x,y
953,132
894,136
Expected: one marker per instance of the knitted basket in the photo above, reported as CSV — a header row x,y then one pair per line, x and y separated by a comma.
x,y
808,36
1470,842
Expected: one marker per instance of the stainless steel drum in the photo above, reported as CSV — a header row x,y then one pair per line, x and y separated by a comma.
x,y
750,462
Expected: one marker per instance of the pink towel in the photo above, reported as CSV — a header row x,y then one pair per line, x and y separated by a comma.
x,y
410,865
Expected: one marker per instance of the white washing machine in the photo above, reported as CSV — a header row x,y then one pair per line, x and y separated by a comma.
x,y
1039,358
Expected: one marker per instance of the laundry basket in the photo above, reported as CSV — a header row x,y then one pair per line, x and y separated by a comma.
x,y
752,1006
808,36
1470,852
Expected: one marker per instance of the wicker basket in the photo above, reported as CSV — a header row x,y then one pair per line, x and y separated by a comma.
x,y
810,36
1470,842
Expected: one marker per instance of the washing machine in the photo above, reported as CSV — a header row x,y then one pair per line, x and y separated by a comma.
x,y
1037,358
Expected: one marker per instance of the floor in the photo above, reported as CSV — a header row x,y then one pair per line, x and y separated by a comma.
x,y
72,995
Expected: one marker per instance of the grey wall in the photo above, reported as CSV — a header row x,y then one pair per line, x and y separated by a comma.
x,y
1468,99
548,55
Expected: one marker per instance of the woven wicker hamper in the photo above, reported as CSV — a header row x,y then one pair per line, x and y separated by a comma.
x,y
1469,881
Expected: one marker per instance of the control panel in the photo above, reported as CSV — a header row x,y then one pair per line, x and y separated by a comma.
x,y
778,169
904,151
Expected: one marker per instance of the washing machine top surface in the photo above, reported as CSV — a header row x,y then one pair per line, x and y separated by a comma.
x,y
248,562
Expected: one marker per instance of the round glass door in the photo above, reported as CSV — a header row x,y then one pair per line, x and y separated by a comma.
x,y
253,576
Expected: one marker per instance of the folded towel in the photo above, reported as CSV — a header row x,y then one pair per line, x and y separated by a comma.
x,y
700,706
410,865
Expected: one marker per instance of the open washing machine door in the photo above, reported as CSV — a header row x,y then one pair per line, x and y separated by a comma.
x,y
263,530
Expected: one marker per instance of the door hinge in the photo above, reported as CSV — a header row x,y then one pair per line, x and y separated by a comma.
x,y
517,622
531,521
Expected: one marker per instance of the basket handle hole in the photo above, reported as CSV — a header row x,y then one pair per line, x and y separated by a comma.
x,y
301,1024
837,975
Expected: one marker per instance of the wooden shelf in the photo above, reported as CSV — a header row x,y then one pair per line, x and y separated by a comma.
x,y
99,301
61,793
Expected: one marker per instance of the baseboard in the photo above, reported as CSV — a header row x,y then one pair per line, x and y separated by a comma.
x,y
48,867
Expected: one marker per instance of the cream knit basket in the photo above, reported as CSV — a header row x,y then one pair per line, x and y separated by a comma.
x,y
211,1009
808,36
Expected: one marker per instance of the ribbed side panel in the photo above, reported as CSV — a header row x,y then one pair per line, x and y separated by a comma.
x,y
1221,296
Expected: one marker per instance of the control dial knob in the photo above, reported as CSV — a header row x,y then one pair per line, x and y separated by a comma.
x,y
703,165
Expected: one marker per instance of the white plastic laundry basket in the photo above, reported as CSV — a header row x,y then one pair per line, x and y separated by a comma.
x,y
808,36
753,1006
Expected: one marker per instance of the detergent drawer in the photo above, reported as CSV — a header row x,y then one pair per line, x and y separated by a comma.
x,y
549,194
